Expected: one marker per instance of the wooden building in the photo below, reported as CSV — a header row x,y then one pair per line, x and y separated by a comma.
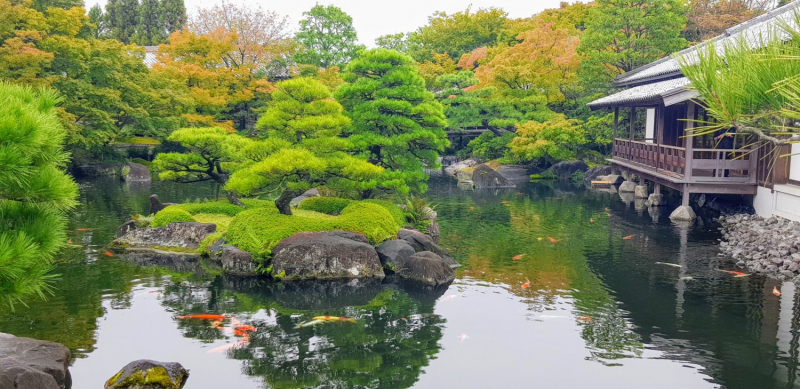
x,y
658,109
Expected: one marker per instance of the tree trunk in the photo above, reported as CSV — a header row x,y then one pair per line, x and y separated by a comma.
x,y
366,194
234,199
283,202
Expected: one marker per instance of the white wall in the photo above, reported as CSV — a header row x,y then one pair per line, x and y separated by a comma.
x,y
783,201
764,201
649,129
794,163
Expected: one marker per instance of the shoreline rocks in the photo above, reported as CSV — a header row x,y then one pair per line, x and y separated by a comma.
x,y
27,363
565,169
328,255
764,245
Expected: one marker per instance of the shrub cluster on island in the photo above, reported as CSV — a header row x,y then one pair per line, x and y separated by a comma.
x,y
324,238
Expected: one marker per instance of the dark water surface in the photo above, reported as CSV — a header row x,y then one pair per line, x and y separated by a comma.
x,y
591,310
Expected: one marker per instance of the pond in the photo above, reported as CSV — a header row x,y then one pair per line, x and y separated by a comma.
x,y
561,287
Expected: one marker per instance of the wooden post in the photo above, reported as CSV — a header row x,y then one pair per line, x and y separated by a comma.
x,y
659,133
616,132
689,142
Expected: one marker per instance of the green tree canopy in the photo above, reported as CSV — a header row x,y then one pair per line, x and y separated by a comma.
x,y
458,33
395,119
328,37
172,15
35,192
551,141
304,115
622,35
149,31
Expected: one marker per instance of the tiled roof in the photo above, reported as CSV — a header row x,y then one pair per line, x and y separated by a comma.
x,y
655,93
754,31
150,58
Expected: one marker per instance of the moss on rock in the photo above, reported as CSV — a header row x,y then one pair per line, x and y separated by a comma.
x,y
171,214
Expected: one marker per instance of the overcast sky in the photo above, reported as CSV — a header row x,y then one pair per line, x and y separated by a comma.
x,y
373,18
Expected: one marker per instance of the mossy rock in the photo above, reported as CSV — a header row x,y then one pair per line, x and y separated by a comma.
x,y
171,214
147,374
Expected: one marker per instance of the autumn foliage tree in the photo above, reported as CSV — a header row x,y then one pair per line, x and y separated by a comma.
x,y
550,141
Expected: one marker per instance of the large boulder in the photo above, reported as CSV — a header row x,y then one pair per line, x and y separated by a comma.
x,y
179,235
426,268
452,169
484,177
156,205
27,363
177,261
422,242
147,374
325,255
237,262
565,169
596,172
514,172
134,172
98,169
391,252
627,187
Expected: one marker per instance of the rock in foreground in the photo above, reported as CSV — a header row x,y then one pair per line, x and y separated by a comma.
x,y
325,255
27,363
426,268
565,169
421,242
147,374
180,235
483,177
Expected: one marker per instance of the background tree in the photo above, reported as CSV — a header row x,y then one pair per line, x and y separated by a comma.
x,y
622,35
35,193
126,19
709,18
43,5
173,15
395,119
96,20
212,154
457,33
149,31
551,141
397,42
327,36
304,115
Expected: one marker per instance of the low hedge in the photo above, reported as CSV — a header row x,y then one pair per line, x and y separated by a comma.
x,y
326,205
171,214
211,207
260,230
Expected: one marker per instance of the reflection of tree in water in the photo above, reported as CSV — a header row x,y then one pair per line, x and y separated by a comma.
x,y
495,226
380,350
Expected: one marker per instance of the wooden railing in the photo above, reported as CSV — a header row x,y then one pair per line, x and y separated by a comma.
x,y
704,165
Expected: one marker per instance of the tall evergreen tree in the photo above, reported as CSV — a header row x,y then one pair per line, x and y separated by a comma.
x,y
328,37
150,31
43,5
110,19
173,15
395,118
96,22
127,18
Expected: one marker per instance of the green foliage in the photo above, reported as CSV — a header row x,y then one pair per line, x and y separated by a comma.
x,y
171,214
395,119
172,15
397,213
488,146
398,42
35,193
551,141
259,231
212,207
599,131
622,35
327,36
326,205
545,175
458,33
577,177
205,245
150,30
488,108
418,211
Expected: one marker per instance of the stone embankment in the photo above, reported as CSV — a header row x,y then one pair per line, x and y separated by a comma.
x,y
764,245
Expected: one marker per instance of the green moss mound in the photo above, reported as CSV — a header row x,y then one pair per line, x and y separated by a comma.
x,y
326,205
211,207
260,230
171,214
397,214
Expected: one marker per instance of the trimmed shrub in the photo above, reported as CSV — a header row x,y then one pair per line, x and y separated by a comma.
x,y
260,230
326,205
211,207
259,204
171,214
397,213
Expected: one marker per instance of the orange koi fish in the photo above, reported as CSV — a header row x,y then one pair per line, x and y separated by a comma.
x,y
552,240
504,202
520,194
85,229
240,333
517,257
591,220
447,298
527,284
585,319
735,273
203,317
628,237
609,215
471,208
775,291
108,253
69,241
403,319
245,328
333,318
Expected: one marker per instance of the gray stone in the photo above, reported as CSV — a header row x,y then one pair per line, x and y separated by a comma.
x,y
125,228
178,261
655,200
483,177
464,176
683,213
514,172
313,192
421,242
27,363
237,262
216,248
325,255
148,374
451,170
180,235
99,169
615,179
641,192
565,169
156,205
391,252
627,187
426,268
134,172
596,172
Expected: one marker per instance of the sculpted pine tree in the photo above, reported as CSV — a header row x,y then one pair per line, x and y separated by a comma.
x,y
395,119
328,37
35,193
305,117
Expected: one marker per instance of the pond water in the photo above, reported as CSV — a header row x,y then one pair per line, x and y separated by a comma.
x,y
587,305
